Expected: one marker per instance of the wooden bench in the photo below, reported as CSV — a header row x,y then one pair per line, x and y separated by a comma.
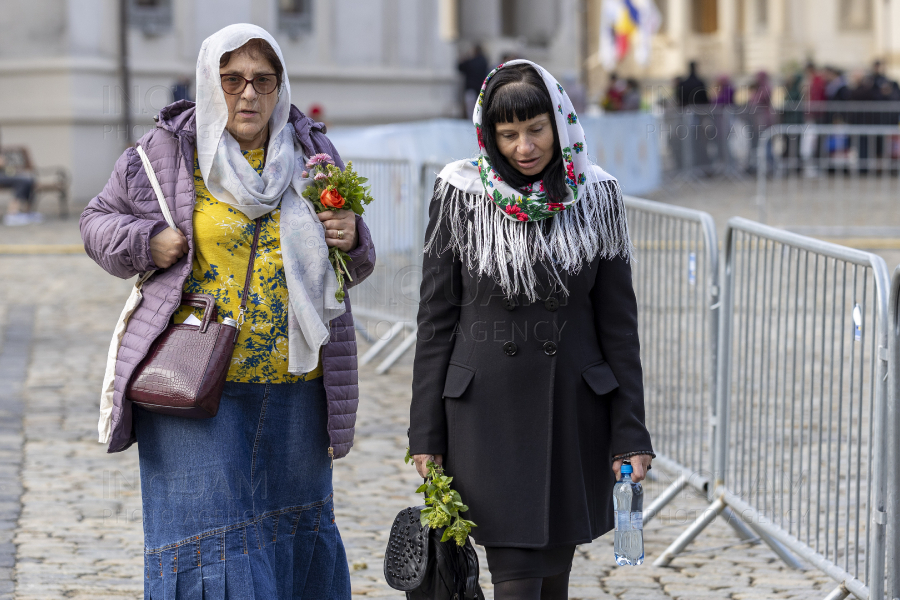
x,y
17,161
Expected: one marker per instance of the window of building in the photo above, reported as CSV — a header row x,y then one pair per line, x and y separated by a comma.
x,y
856,15
295,16
153,17
705,16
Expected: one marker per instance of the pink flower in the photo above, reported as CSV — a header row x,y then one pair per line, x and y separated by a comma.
x,y
512,209
522,216
555,206
304,174
320,177
319,159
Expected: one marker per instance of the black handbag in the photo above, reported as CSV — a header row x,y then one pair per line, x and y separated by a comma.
x,y
417,562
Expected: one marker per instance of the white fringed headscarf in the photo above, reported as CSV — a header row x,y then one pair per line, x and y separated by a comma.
x,y
480,210
230,178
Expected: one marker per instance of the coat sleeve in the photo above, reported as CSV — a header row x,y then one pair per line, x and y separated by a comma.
x,y
362,258
615,317
113,236
439,311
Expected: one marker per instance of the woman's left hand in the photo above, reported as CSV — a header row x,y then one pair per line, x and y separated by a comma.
x,y
639,464
340,228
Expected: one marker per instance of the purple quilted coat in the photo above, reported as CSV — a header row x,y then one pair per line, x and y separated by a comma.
x,y
117,226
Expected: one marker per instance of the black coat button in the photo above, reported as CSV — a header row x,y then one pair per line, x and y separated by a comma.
x,y
509,303
551,303
510,348
549,348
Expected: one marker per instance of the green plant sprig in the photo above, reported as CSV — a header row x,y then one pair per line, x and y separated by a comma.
x,y
443,504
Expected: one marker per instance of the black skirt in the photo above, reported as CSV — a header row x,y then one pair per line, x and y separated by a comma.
x,y
506,564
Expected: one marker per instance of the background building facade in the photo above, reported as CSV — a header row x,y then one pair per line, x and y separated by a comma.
x,y
742,37
361,61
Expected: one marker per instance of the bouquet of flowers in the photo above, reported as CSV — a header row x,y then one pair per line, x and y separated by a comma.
x,y
333,189
443,505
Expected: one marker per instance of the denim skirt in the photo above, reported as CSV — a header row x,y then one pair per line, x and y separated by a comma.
x,y
240,506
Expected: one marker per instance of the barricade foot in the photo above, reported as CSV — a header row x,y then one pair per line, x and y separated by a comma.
x,y
839,593
742,529
690,533
778,548
401,349
380,344
668,494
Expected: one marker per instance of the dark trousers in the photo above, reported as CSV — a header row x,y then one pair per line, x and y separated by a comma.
x,y
21,186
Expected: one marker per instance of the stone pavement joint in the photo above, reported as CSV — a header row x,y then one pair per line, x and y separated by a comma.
x,y
14,357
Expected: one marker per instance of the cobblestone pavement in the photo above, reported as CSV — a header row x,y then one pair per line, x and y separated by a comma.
x,y
78,534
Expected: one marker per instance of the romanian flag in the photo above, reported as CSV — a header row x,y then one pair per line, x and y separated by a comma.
x,y
625,27
627,23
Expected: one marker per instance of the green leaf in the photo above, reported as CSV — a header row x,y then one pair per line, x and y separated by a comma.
x,y
421,488
446,535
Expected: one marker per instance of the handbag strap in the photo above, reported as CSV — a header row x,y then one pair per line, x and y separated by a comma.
x,y
154,183
256,223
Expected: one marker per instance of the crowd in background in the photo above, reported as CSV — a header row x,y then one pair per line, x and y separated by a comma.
x,y
811,95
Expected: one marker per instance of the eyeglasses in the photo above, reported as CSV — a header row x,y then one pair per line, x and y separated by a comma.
x,y
235,84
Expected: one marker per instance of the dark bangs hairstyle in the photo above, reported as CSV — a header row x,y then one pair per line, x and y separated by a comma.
x,y
257,48
518,92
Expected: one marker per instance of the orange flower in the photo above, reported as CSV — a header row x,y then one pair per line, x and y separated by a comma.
x,y
331,198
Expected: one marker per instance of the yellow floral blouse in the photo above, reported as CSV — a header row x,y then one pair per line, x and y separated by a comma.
x,y
223,237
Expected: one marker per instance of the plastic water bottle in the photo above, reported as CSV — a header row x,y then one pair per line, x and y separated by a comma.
x,y
628,502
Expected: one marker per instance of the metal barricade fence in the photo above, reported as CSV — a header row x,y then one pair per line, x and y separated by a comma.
x,y
799,454
676,276
700,142
892,558
827,161
386,303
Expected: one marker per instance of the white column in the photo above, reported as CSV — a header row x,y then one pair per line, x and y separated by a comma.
x,y
479,20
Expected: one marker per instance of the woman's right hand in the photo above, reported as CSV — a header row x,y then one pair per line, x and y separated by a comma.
x,y
167,247
422,462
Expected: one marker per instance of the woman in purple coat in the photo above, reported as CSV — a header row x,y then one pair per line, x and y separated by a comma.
x,y
240,505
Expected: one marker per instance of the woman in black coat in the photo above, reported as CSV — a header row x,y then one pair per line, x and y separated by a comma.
x,y
527,383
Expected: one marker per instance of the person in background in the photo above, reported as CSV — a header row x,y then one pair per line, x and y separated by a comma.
x,y
692,91
181,89
723,118
615,91
474,69
694,100
631,99
724,95
20,210
814,84
761,116
317,114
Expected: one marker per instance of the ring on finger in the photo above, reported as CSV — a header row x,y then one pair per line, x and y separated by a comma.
x,y
340,234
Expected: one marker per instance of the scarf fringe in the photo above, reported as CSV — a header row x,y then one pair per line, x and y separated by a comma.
x,y
490,244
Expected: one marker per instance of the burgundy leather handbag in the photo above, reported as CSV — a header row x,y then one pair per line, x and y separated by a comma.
x,y
184,372
185,369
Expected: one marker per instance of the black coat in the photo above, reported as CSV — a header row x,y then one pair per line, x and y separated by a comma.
x,y
528,402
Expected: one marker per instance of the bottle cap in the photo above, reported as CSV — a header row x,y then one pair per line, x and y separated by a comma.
x,y
626,468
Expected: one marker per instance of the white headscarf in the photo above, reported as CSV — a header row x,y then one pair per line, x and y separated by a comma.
x,y
231,179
